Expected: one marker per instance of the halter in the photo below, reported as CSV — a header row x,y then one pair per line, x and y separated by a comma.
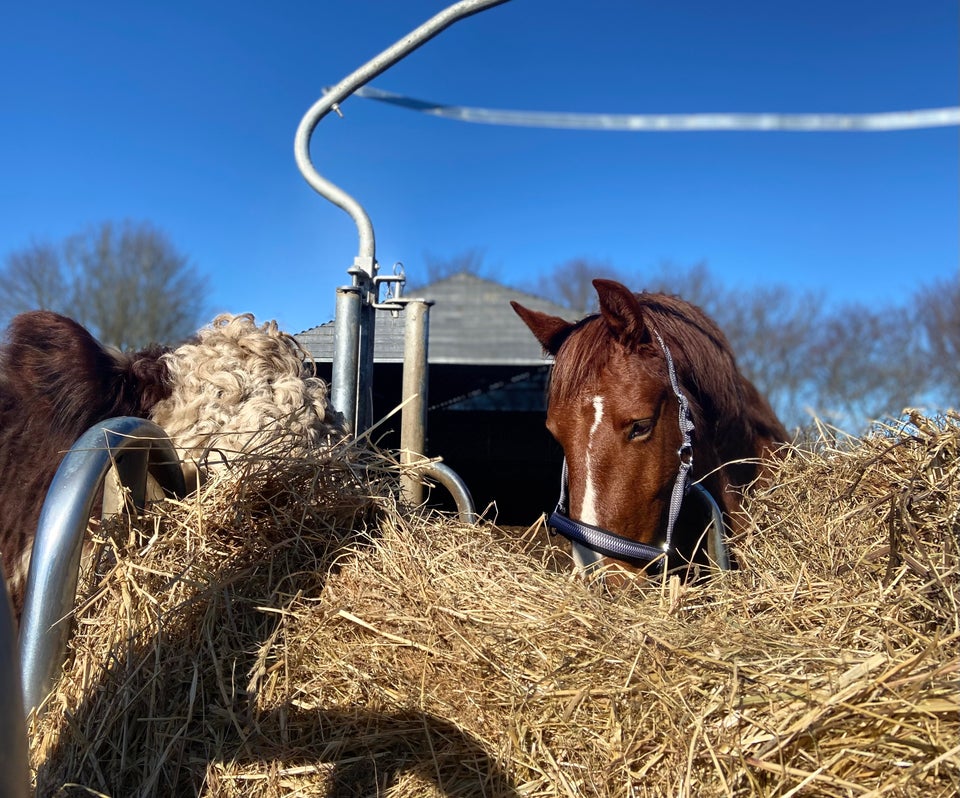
x,y
610,544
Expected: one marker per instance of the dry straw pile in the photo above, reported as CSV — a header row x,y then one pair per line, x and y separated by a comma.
x,y
291,632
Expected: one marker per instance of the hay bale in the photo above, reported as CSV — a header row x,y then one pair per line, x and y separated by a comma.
x,y
294,632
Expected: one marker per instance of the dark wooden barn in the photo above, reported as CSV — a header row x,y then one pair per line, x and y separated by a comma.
x,y
486,392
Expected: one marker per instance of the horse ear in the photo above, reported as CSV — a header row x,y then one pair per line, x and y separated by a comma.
x,y
622,312
550,331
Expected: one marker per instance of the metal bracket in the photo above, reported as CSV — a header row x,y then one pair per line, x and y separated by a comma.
x,y
394,301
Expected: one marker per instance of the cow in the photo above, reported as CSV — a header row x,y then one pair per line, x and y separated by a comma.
x,y
235,385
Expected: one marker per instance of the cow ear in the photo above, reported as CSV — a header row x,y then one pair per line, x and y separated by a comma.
x,y
622,312
550,331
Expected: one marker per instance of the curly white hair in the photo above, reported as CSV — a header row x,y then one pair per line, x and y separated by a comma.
x,y
239,387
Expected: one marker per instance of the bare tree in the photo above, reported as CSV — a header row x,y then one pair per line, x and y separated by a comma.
x,y
696,284
470,261
571,284
32,278
848,364
936,316
864,365
126,283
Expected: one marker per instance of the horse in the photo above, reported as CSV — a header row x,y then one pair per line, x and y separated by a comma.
x,y
234,387
646,400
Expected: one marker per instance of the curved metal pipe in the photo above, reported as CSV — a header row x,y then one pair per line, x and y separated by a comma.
x,y
449,478
134,447
717,549
346,87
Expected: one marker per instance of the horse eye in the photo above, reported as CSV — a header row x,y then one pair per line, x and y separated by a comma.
x,y
640,429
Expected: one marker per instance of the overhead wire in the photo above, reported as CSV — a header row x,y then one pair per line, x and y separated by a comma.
x,y
660,123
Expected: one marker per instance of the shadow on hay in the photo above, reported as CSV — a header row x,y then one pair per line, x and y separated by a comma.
x,y
191,704
340,753
222,743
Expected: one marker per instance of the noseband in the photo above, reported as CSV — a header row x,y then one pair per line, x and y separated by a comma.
x,y
610,544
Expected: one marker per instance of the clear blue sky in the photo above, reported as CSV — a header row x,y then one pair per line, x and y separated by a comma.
x,y
184,113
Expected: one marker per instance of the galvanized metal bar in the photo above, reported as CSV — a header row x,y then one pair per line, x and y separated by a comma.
x,y
337,94
55,562
717,549
449,478
413,415
15,773
129,488
346,355
351,389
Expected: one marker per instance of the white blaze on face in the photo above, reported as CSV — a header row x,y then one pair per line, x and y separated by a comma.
x,y
588,513
583,556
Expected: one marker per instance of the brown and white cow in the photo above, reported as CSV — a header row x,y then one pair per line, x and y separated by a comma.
x,y
236,384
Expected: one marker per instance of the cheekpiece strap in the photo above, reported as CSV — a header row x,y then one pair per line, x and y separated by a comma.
x,y
685,453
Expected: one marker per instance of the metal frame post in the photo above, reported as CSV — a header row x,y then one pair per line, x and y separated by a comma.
x,y
354,326
413,415
366,332
346,354
352,382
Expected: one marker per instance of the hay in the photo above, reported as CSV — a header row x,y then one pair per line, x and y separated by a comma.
x,y
293,632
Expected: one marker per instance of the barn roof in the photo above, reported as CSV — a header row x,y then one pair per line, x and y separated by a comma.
x,y
471,323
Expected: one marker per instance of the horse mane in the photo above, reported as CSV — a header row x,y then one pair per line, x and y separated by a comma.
x,y
705,365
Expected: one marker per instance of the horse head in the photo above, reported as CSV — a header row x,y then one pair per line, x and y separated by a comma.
x,y
617,412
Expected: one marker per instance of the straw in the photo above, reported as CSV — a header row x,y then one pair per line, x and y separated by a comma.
x,y
293,630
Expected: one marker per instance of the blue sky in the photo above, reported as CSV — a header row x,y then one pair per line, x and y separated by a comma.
x,y
183,114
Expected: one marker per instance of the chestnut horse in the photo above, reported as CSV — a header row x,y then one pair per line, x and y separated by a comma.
x,y
646,399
